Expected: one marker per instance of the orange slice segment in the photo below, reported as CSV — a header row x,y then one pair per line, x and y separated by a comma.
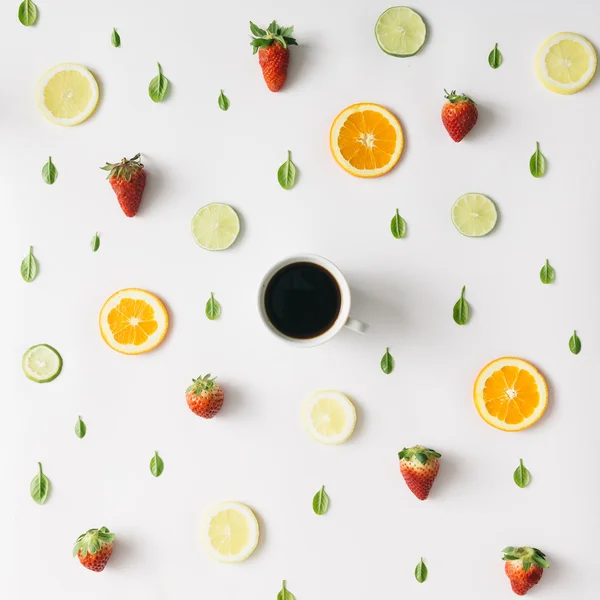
x,y
133,321
366,140
510,394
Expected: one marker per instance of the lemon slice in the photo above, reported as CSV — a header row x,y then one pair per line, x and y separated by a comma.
x,y
215,226
329,416
474,215
230,532
400,31
133,321
566,63
67,94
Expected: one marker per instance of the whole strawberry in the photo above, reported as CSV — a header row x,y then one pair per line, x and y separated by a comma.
x,y
94,547
459,115
128,180
273,53
205,397
419,467
524,567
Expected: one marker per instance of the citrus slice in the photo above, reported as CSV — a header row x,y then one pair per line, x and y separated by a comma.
x,y
230,532
400,31
215,226
366,140
566,63
133,321
474,215
329,416
67,94
41,363
510,394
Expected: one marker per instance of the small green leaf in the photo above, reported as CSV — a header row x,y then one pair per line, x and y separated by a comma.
x,y
80,428
157,465
223,101
387,362
285,594
398,226
257,31
321,501
526,565
522,475
29,266
495,57
213,308
537,162
421,457
547,273
287,31
421,572
49,172
540,560
460,312
272,28
575,343
28,13
40,487
510,557
95,243
286,174
115,38
508,549
158,86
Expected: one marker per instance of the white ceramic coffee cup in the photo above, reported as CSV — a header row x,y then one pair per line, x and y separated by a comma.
x,y
343,319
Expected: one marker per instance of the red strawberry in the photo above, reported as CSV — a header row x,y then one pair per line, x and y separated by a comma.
x,y
128,179
205,397
419,467
459,115
524,567
93,548
273,53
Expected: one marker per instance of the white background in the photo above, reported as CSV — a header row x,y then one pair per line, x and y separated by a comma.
x,y
256,450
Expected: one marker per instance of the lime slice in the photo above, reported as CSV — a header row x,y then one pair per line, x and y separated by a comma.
x,y
215,226
41,363
474,215
400,31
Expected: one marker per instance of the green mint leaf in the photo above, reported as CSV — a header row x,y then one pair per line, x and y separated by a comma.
x,y
257,31
495,57
115,38
387,362
522,476
537,162
421,572
285,594
158,86
321,501
223,101
29,266
575,343
95,243
460,312
286,174
49,172
213,308
157,465
398,226
80,428
28,13
39,487
547,273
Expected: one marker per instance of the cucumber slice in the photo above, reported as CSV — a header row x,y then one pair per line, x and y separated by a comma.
x,y
41,363
400,31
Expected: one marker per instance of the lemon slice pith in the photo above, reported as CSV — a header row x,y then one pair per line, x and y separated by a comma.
x,y
566,63
230,532
329,416
133,321
510,394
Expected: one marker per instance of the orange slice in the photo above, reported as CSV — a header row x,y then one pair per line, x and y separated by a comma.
x,y
510,394
133,321
366,140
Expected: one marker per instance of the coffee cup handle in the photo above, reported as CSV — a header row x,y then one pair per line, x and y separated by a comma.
x,y
356,325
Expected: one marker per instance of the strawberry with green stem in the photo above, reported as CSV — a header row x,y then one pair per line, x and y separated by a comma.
x,y
128,180
204,397
459,115
419,467
94,548
524,567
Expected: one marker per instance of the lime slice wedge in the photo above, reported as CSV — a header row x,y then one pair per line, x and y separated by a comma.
x,y
215,226
41,363
474,215
400,31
